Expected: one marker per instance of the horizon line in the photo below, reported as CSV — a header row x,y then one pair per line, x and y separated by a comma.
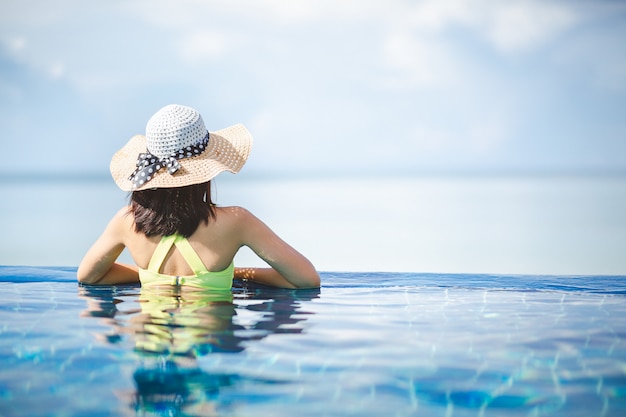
x,y
82,176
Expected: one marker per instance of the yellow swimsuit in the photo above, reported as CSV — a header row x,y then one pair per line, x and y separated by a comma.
x,y
202,278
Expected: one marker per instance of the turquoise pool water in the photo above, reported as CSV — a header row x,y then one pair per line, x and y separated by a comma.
x,y
365,344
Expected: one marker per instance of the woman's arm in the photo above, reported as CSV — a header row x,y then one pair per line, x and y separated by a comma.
x,y
267,276
289,268
98,265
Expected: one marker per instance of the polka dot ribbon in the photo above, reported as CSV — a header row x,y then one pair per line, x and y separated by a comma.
x,y
148,165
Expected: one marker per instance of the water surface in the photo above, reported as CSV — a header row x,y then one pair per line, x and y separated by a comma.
x,y
365,344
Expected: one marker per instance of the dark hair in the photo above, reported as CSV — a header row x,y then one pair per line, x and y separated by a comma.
x,y
165,211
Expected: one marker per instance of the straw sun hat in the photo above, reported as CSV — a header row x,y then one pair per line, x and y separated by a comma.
x,y
177,150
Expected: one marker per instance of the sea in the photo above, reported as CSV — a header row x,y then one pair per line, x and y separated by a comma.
x,y
493,224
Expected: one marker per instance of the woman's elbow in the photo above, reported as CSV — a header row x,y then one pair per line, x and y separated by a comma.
x,y
84,277
310,280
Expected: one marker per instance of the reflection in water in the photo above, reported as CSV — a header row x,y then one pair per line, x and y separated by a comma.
x,y
171,328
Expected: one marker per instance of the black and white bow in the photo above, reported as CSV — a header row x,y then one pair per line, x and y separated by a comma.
x,y
148,165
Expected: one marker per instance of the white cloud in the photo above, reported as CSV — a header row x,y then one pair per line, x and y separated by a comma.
x,y
14,44
21,51
203,45
438,15
35,12
168,13
56,70
422,44
418,61
517,25
511,25
412,36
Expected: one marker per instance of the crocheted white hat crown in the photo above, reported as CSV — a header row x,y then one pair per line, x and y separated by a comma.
x,y
172,128
177,150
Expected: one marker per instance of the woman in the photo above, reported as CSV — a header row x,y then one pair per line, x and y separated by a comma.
x,y
174,233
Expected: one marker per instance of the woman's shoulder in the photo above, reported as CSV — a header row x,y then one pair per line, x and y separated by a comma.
x,y
122,220
229,224
232,210
233,213
123,215
123,212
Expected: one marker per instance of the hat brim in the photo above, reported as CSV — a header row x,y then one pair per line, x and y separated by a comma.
x,y
227,150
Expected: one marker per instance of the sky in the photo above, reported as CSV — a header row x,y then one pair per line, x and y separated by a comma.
x,y
327,87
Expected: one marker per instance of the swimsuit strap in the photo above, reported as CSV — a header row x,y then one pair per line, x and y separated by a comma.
x,y
160,253
185,249
190,255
